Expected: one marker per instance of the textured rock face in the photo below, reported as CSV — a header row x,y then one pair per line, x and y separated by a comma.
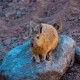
x,y
18,64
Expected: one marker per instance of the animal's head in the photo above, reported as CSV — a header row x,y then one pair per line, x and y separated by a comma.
x,y
36,37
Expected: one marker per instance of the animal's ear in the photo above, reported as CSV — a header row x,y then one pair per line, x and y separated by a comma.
x,y
40,28
55,25
31,25
58,26
32,29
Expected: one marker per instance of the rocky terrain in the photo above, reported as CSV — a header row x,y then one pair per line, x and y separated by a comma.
x,y
15,17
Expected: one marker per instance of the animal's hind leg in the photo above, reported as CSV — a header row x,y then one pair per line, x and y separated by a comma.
x,y
43,57
49,56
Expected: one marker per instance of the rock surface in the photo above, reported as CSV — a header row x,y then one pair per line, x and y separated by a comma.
x,y
18,64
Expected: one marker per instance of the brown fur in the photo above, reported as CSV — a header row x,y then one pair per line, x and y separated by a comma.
x,y
47,42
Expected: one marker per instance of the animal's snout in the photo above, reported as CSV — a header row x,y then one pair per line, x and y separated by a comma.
x,y
32,44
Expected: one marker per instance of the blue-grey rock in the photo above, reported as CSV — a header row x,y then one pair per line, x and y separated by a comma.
x,y
18,64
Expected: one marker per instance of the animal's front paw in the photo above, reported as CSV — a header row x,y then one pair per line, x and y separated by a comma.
x,y
34,60
43,59
37,61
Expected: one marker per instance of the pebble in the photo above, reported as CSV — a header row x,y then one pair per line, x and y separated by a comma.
x,y
7,41
14,44
9,1
0,10
18,14
14,38
25,38
8,14
75,11
27,2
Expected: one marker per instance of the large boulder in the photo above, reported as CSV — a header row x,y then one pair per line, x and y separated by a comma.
x,y
18,63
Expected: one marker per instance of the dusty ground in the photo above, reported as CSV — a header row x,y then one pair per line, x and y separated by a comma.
x,y
15,20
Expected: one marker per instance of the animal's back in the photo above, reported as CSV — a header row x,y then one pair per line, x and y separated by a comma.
x,y
50,35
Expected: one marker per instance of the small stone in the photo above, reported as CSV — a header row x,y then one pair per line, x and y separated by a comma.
x,y
4,4
17,35
9,1
25,38
71,18
14,44
0,10
18,14
11,4
14,1
14,38
7,41
75,11
8,14
27,2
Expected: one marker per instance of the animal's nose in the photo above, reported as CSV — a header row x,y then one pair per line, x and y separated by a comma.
x,y
32,44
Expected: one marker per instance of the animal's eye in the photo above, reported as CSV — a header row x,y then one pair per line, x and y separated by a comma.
x,y
37,37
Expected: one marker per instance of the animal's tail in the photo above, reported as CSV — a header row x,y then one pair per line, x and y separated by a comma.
x,y
58,26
